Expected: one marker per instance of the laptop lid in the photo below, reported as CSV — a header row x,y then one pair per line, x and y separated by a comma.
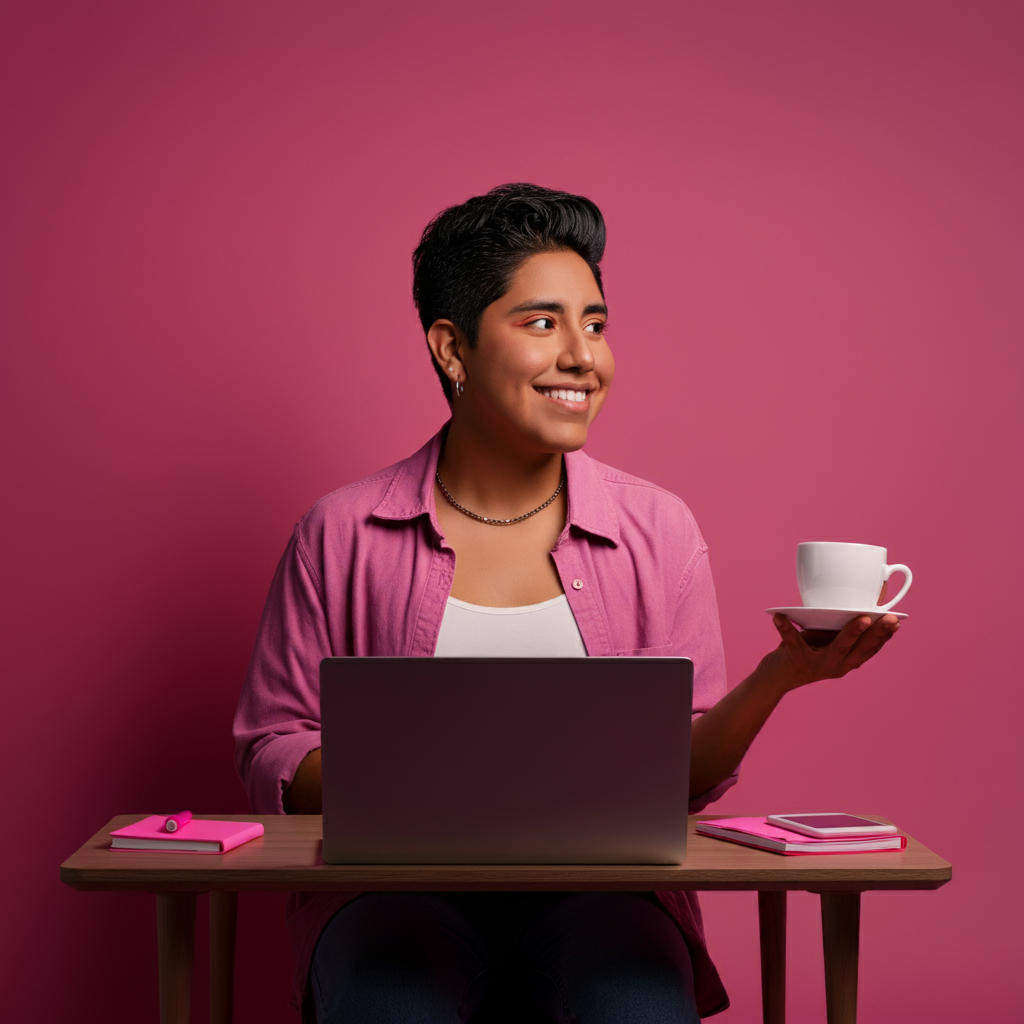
x,y
505,760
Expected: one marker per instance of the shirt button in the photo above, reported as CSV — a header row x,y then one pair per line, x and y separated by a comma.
x,y
577,584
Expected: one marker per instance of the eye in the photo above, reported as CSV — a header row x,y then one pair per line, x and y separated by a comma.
x,y
544,323
597,327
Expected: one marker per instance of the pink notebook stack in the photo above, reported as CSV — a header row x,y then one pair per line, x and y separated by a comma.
x,y
757,832
200,835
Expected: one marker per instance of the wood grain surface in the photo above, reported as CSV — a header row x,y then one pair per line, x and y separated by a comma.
x,y
288,857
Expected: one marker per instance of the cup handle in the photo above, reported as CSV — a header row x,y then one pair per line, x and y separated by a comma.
x,y
889,570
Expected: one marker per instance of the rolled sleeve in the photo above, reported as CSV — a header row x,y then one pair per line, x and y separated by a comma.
x,y
277,722
698,803
273,766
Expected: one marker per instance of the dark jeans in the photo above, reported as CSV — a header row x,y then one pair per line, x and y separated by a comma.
x,y
446,958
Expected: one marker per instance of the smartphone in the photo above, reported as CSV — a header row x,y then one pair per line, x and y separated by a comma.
x,y
830,826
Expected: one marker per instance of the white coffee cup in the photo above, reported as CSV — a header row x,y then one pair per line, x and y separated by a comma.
x,y
845,576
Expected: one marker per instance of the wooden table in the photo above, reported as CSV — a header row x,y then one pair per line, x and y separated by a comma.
x,y
287,857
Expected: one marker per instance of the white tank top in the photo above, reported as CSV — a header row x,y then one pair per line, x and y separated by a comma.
x,y
545,630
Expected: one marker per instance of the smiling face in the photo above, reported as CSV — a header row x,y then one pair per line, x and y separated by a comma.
x,y
541,368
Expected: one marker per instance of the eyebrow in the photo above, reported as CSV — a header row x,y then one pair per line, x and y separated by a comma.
x,y
543,306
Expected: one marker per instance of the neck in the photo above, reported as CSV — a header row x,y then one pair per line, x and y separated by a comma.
x,y
493,478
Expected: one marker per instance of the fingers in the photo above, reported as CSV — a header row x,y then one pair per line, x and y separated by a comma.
x,y
821,639
786,628
850,634
823,654
791,636
872,640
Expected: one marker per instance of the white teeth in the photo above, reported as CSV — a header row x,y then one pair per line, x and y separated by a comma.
x,y
564,395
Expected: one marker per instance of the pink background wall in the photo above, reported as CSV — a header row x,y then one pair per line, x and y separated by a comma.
x,y
814,276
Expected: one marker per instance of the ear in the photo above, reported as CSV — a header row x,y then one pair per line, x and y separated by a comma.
x,y
447,343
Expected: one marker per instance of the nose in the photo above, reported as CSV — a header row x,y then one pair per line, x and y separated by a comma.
x,y
576,352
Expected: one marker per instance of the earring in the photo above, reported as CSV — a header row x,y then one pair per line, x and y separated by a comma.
x,y
459,389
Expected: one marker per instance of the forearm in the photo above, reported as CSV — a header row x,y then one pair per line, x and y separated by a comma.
x,y
305,795
722,736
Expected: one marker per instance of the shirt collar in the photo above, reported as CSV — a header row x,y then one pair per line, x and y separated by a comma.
x,y
411,493
590,508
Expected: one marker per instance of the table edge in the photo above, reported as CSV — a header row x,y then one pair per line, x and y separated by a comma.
x,y
326,878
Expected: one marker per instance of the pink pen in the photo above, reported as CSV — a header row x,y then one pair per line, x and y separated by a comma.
x,y
176,821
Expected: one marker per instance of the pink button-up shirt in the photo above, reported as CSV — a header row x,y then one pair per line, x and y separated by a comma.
x,y
368,572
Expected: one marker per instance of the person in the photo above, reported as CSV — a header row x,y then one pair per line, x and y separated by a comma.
x,y
500,536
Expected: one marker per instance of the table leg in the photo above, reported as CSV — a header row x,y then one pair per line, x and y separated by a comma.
x,y
771,908
175,940
840,929
223,922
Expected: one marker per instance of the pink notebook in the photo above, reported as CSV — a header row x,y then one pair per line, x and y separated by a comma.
x,y
757,832
200,835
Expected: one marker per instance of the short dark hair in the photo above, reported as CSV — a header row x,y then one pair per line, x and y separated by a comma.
x,y
469,253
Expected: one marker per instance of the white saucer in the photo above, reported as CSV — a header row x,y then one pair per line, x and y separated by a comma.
x,y
829,618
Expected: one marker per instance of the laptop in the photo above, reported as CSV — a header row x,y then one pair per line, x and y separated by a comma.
x,y
505,760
